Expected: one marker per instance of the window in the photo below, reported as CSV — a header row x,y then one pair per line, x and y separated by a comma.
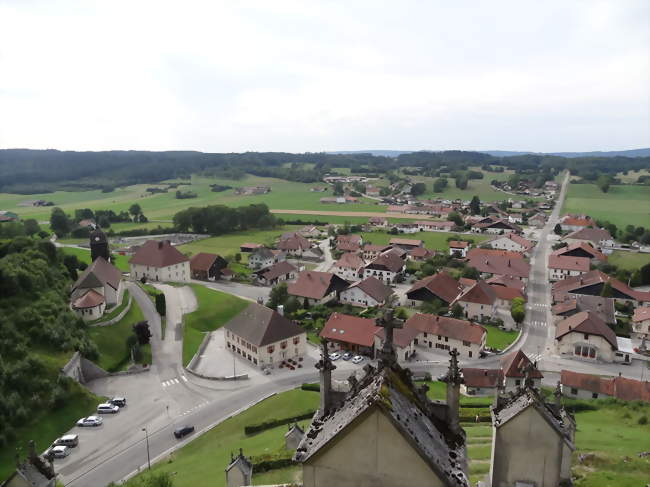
x,y
270,349
466,344
446,339
283,345
425,335
296,340
470,354
574,391
594,395
518,382
439,337
586,336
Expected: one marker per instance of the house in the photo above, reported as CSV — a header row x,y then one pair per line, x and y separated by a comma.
x,y
538,220
249,247
415,441
420,254
596,237
349,243
532,441
314,287
560,266
435,226
8,216
505,295
371,252
377,221
263,257
403,343
406,227
482,252
294,244
572,223
500,227
508,281
444,333
496,265
367,293
345,332
514,368
160,261
239,471
480,382
207,267
264,336
98,287
641,323
478,301
581,249
586,386
405,243
310,231
278,272
458,248
386,267
603,307
511,242
349,266
592,283
585,335
440,286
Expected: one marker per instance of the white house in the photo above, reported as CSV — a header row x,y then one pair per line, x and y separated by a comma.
x,y
263,257
586,336
386,267
443,333
349,266
560,266
597,237
367,293
512,242
160,261
478,301
458,248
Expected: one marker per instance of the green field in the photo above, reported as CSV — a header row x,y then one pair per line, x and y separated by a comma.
x,y
497,338
622,205
432,240
209,455
121,261
111,341
337,219
629,260
214,310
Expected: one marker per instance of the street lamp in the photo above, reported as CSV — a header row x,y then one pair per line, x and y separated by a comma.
x,y
148,457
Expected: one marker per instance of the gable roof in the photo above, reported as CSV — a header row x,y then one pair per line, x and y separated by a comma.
x,y
262,253
507,293
577,221
507,281
513,365
350,329
402,337
316,285
259,325
350,260
480,293
590,234
603,307
374,288
581,247
157,254
202,261
375,248
524,242
89,299
478,252
458,244
278,269
98,274
500,223
586,322
405,241
576,283
388,260
619,387
642,313
564,262
441,285
474,377
293,241
504,266
421,253
445,326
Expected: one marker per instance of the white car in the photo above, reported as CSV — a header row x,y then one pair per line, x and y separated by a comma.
x,y
335,356
90,421
357,359
59,451
107,408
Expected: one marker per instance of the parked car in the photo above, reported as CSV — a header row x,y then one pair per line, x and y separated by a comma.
x,y
90,421
58,452
183,431
118,401
107,408
335,356
347,356
357,359
67,440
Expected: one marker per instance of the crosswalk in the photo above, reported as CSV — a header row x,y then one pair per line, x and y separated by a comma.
x,y
537,305
536,357
538,324
174,381
198,406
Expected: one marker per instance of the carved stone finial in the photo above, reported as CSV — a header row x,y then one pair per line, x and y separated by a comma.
x,y
558,394
389,323
453,375
528,380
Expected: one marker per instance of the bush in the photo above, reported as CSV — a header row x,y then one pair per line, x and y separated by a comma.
x,y
266,465
315,387
256,428
643,420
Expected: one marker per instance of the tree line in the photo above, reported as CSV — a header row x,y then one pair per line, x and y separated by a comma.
x,y
220,219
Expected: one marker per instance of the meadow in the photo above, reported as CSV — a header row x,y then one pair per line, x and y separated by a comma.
x,y
432,240
629,260
121,261
622,205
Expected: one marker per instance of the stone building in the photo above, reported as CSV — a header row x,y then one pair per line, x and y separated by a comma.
x,y
586,336
160,261
239,471
293,437
98,287
99,245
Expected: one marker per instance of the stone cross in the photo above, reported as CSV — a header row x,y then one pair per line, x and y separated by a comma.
x,y
389,323
453,375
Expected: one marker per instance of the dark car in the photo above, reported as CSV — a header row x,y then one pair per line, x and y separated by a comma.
x,y
118,401
183,431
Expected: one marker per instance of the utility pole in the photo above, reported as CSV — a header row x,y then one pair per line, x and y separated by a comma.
x,y
148,456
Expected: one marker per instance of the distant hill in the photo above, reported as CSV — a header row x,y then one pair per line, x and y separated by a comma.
x,y
625,153
384,153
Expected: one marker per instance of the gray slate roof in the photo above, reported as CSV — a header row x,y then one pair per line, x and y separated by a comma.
x,y
99,274
260,326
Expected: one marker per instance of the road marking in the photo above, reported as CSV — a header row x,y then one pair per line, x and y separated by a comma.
x,y
184,378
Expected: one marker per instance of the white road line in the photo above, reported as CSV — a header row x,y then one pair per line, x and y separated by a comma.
x,y
175,381
184,378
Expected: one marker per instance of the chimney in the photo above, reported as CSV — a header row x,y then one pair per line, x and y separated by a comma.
x,y
280,309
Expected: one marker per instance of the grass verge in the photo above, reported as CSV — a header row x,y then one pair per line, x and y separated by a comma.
x,y
498,338
115,311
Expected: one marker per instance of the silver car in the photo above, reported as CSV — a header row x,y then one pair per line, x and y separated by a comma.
x,y
90,421
59,451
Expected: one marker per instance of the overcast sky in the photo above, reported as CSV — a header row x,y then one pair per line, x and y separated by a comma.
x,y
302,76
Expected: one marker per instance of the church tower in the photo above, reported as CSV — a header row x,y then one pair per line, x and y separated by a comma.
x,y
99,245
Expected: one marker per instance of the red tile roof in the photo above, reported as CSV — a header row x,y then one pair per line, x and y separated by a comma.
x,y
294,241
641,313
388,260
441,284
577,222
314,285
481,377
465,282
249,245
350,329
90,299
619,387
513,365
595,253
478,252
507,281
503,266
575,283
479,293
278,269
421,253
350,261
580,264
457,244
157,254
374,288
202,261
405,241
507,293
589,234
448,327
402,337
586,322
524,242
375,248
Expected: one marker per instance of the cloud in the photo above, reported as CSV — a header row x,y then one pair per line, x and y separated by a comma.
x,y
331,75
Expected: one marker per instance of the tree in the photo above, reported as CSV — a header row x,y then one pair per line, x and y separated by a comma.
x,y
142,332
557,230
603,182
456,218
291,305
278,296
418,189
31,226
43,234
518,310
461,181
59,222
338,189
161,304
475,206
645,275
439,185
606,291
457,311
470,272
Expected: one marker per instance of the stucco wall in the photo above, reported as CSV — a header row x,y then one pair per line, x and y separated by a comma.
x,y
567,344
506,244
357,297
347,273
430,342
580,393
176,273
477,311
261,355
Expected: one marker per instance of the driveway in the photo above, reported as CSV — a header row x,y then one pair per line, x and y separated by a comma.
x,y
245,291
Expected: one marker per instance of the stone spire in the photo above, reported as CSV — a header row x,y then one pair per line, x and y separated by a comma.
x,y
528,381
454,379
558,395
325,366
388,322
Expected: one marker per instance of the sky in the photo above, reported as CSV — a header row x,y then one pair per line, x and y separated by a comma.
x,y
310,76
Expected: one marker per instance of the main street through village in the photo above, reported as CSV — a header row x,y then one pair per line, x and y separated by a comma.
x,y
168,395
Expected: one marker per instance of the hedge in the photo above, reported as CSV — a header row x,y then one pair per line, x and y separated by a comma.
x,y
266,465
256,428
315,387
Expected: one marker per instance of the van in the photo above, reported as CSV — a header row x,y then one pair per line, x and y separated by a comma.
x,y
118,401
67,440
106,408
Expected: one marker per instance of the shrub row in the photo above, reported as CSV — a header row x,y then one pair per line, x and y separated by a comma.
x,y
256,428
266,465
315,387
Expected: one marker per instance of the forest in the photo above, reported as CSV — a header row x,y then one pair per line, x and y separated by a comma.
x,y
25,171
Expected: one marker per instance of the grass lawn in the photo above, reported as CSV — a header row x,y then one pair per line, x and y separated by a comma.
x,y
629,260
325,219
111,341
47,425
121,261
432,240
115,311
208,456
500,339
622,205
214,310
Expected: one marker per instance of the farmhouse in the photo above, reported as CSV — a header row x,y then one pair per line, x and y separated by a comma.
x,y
592,283
573,223
500,227
377,221
495,265
349,243
641,323
478,301
512,242
314,287
445,333
458,248
263,257
603,307
369,292
435,225
439,286
596,237
403,343
505,295
349,266
294,244
345,332
561,267
586,386
581,249
279,272
386,267
480,382
207,267
249,247
160,261
406,243
264,337
538,220
371,252
420,254
514,367
507,281
586,336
